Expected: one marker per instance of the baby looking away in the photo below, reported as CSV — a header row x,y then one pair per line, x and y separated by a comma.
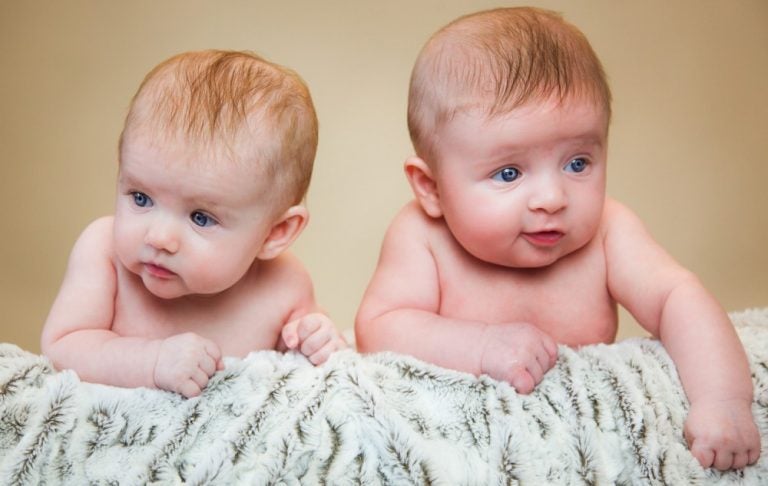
x,y
511,245
215,158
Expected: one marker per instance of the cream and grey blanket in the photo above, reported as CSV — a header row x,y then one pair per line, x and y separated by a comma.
x,y
604,415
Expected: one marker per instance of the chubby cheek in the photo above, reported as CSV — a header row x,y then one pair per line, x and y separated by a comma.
x,y
485,231
128,241
211,271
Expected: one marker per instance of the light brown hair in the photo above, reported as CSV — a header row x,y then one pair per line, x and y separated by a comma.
x,y
236,102
498,60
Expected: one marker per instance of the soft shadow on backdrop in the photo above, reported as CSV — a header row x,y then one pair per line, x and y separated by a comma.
x,y
688,145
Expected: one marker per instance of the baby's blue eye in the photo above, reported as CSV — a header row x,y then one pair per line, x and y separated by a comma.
x,y
507,174
141,200
576,165
202,219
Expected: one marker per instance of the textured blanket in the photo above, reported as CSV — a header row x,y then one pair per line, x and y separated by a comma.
x,y
604,415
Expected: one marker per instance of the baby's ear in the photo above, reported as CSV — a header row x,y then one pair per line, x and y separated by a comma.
x,y
284,232
423,185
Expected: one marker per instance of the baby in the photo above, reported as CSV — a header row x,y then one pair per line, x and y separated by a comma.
x,y
214,161
511,245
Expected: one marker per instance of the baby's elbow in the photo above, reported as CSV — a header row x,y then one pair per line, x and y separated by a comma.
x,y
45,348
51,350
53,347
362,333
682,287
367,327
47,343
363,342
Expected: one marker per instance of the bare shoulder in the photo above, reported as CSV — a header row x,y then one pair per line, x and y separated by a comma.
x,y
412,225
99,228
86,297
286,266
406,274
410,218
410,243
285,275
619,220
617,211
95,241
277,290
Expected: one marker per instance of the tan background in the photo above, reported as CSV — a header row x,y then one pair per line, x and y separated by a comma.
x,y
689,141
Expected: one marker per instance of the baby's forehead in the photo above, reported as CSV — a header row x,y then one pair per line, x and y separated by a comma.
x,y
243,157
543,106
535,126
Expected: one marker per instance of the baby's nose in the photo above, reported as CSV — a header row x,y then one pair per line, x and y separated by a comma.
x,y
162,235
548,196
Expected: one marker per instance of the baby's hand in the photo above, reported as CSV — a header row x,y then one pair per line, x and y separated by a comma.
x,y
722,433
518,353
185,362
314,335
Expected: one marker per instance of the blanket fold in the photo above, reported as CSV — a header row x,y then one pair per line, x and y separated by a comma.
x,y
606,414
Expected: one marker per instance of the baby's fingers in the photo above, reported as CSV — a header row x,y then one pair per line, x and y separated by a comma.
x,y
314,342
213,350
550,347
189,388
522,381
290,334
705,455
296,331
200,377
321,355
309,325
209,365
740,460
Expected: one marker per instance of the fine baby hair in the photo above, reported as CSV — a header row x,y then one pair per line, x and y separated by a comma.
x,y
233,102
496,61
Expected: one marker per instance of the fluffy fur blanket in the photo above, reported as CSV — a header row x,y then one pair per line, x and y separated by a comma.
x,y
604,415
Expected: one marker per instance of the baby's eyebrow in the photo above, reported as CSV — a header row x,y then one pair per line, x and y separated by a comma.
x,y
588,140
592,140
584,142
125,179
205,203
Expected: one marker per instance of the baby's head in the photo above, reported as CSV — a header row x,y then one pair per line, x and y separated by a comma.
x,y
496,61
508,113
215,159
236,107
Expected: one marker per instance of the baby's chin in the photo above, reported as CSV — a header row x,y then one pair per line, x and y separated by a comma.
x,y
179,290
531,264
164,290
528,260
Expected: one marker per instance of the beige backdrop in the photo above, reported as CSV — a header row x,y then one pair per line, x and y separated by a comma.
x,y
689,141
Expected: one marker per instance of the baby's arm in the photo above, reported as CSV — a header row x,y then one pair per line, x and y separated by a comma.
x,y
671,303
400,312
78,331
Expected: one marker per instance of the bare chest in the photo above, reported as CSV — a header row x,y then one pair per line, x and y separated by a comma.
x,y
568,300
238,323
